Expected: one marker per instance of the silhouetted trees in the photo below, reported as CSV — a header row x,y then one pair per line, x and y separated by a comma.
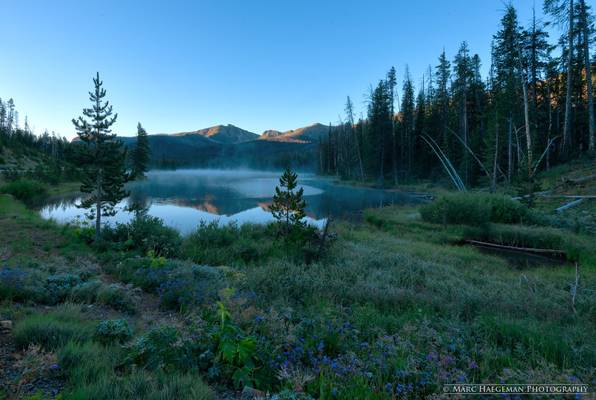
x,y
532,111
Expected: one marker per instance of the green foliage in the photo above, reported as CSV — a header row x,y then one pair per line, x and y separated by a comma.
x,y
146,235
236,351
476,209
86,292
157,349
51,330
229,244
141,154
101,157
113,331
25,190
117,297
288,205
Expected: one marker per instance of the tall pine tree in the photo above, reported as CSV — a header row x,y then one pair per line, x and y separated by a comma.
x,y
102,158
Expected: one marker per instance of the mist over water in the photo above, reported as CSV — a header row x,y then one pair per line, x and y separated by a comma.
x,y
184,198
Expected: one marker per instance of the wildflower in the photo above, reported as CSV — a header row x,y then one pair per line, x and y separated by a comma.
x,y
473,365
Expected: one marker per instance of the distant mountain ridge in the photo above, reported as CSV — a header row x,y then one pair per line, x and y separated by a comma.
x,y
223,134
230,145
230,134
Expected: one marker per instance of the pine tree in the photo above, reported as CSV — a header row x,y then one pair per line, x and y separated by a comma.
x,y
407,122
562,12
443,73
461,87
585,26
140,154
391,82
101,157
288,205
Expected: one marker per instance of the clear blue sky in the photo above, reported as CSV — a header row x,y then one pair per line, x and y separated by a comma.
x,y
185,65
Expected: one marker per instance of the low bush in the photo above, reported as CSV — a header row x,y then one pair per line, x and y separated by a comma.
x,y
113,331
116,297
157,349
190,286
247,244
21,285
476,209
85,292
25,190
144,234
59,286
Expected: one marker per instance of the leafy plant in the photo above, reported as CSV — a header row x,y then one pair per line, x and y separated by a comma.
x,y
236,350
113,330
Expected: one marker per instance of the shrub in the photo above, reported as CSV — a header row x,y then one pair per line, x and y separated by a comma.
x,y
17,284
116,297
113,330
157,349
24,189
50,331
86,292
189,286
229,244
59,286
476,209
145,234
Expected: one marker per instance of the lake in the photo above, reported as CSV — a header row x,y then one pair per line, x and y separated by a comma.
x,y
185,198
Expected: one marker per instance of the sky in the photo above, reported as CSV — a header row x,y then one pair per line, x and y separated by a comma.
x,y
258,64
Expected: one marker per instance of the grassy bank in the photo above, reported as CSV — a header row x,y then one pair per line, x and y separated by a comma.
x,y
393,309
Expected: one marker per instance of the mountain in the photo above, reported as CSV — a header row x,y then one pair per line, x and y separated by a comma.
x,y
308,134
226,134
230,146
270,134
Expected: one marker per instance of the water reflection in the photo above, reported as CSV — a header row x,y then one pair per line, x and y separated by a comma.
x,y
184,198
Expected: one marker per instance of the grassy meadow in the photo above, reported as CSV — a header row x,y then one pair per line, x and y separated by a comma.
x,y
393,308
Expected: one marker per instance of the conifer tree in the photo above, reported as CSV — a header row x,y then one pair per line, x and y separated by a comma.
x,y
140,154
101,158
563,13
288,204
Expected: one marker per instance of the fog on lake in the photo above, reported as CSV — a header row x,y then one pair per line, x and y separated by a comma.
x,y
185,198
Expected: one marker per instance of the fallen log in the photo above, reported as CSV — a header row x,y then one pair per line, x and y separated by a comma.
x,y
547,252
570,204
577,181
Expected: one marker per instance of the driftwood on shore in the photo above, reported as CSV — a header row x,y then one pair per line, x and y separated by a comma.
x,y
577,181
570,204
545,252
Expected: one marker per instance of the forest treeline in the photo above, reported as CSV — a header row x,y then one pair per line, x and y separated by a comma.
x,y
534,109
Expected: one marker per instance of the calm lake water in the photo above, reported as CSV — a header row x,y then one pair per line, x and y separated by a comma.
x,y
185,198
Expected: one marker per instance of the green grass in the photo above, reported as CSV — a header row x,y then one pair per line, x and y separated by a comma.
x,y
53,330
396,299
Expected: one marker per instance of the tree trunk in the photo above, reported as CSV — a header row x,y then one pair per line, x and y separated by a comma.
x,y
509,150
394,147
550,125
98,208
530,156
567,124
493,186
588,65
359,151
